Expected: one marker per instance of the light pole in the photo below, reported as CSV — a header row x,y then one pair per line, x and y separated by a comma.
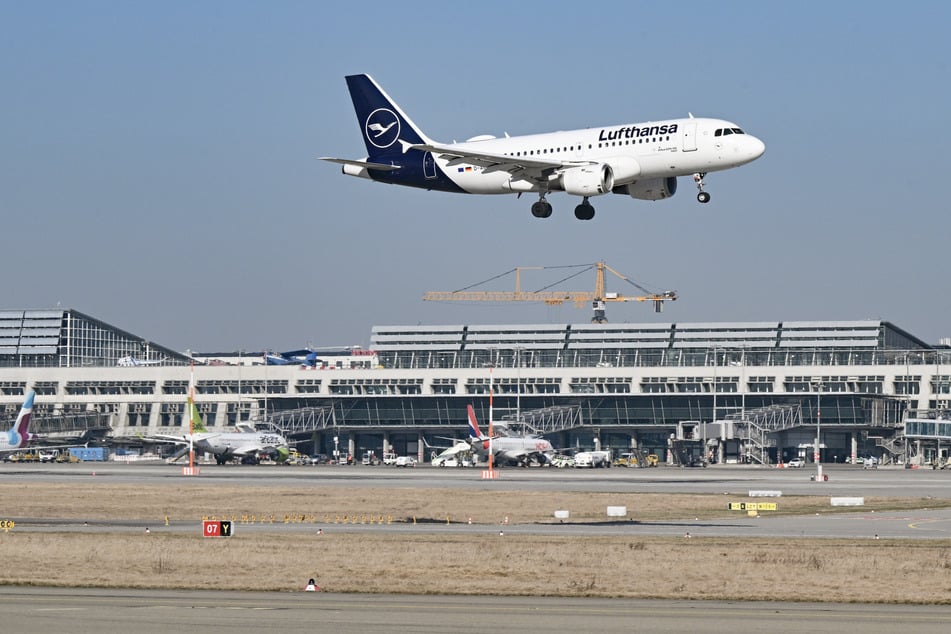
x,y
713,420
518,381
491,473
816,455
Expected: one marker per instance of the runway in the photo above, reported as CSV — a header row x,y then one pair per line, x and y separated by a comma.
x,y
843,480
38,609
88,611
733,483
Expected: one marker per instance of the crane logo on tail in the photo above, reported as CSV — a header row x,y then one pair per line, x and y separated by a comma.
x,y
382,128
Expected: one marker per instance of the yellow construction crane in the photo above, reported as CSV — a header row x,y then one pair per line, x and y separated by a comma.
x,y
598,298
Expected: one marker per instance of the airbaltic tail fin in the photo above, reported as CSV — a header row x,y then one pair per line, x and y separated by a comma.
x,y
386,128
196,424
19,434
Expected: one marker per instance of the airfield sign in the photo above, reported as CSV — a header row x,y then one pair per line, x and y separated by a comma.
x,y
216,528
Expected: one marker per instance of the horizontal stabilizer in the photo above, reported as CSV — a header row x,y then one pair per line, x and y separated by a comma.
x,y
380,167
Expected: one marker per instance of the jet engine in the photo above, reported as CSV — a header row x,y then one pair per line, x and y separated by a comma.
x,y
625,168
588,180
650,188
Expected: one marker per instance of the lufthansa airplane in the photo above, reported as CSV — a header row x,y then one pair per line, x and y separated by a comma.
x,y
641,160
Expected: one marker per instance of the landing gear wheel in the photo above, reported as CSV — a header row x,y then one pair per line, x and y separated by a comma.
x,y
584,211
703,196
541,209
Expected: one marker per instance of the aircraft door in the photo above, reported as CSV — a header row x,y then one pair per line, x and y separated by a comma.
x,y
690,137
429,166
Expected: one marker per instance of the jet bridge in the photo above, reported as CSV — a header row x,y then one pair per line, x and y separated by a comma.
x,y
758,426
296,422
547,420
83,424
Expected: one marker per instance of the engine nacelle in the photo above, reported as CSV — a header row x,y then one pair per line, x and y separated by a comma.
x,y
588,180
626,169
650,188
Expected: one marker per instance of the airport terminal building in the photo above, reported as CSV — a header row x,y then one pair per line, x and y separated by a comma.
x,y
730,392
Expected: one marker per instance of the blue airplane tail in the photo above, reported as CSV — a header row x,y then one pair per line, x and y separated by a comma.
x,y
386,129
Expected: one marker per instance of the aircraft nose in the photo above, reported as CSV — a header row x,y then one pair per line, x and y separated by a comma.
x,y
756,149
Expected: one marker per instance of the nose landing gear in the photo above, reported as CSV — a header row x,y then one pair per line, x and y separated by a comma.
x,y
703,196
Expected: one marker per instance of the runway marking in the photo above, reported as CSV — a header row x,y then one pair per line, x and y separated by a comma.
x,y
915,525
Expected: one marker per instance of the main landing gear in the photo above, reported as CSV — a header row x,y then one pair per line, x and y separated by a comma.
x,y
541,209
584,211
703,196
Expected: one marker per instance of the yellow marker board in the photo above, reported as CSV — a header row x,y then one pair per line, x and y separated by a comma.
x,y
752,506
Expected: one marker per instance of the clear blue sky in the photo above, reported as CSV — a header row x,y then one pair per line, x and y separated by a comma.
x,y
158,166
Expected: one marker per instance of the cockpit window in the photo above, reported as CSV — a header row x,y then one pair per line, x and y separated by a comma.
x,y
738,131
719,132
727,131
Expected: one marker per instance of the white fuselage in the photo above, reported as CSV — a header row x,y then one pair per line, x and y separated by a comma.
x,y
691,149
237,443
515,448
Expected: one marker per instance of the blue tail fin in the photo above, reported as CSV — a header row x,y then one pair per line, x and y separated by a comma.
x,y
386,129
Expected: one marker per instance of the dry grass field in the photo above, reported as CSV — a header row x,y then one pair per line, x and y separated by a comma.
x,y
748,569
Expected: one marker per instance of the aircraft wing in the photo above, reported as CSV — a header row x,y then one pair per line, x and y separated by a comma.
x,y
248,449
491,162
177,440
380,167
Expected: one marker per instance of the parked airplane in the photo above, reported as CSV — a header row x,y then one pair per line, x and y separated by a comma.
x,y
641,160
516,449
227,445
130,361
306,358
19,436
